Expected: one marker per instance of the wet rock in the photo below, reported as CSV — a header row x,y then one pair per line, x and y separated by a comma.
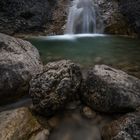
x,y
42,135
19,124
52,89
109,90
125,128
19,61
88,112
54,121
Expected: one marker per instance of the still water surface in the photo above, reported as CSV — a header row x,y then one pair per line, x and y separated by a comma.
x,y
88,50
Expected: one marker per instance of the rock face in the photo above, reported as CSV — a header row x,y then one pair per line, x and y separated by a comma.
x,y
125,128
110,90
24,15
59,17
131,11
19,60
113,19
52,89
49,16
19,124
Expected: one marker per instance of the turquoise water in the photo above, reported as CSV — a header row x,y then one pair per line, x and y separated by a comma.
x,y
88,50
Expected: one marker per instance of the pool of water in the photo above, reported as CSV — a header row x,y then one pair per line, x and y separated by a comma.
x,y
87,50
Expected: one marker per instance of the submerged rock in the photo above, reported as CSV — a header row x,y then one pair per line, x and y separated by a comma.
x,y
35,16
52,89
20,124
19,60
109,90
125,128
88,112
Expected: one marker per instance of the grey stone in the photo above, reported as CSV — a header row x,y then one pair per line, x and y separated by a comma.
x,y
19,61
58,84
109,90
125,128
20,124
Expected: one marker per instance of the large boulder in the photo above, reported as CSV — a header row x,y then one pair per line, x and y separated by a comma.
x,y
20,124
52,89
19,61
109,90
50,16
125,128
19,16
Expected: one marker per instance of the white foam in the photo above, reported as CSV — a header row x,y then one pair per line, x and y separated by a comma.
x,y
69,36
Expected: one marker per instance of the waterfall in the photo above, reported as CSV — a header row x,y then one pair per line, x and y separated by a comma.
x,y
84,17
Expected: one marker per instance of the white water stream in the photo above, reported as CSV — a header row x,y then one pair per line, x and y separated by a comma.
x,y
84,17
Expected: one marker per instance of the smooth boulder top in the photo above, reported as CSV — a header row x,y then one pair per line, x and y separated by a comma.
x,y
19,61
109,90
56,86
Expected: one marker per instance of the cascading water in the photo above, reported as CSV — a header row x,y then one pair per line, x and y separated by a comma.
x,y
84,17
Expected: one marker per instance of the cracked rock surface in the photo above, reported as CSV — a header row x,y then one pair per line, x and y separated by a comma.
x,y
58,84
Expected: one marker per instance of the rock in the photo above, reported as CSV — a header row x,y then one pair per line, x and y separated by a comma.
x,y
131,11
19,61
19,124
88,112
55,86
109,90
42,135
58,18
54,122
33,17
20,16
113,19
125,128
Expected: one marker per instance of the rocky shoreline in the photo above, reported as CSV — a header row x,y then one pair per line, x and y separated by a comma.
x,y
60,86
